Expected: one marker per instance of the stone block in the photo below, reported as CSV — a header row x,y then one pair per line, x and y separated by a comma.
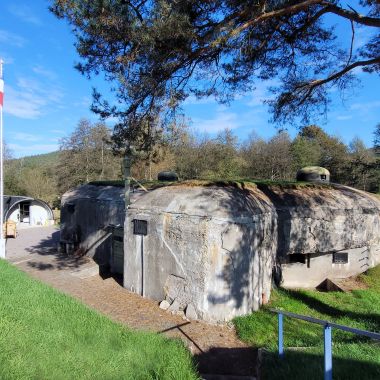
x,y
164,305
191,312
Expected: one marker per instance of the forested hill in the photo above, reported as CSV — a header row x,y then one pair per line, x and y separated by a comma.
x,y
38,160
33,176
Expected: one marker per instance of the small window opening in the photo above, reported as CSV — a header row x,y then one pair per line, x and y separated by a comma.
x,y
340,258
297,258
70,208
323,177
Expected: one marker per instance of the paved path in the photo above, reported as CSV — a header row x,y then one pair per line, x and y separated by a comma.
x,y
216,348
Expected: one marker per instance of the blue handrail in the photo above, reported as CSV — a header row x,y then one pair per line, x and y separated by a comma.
x,y
327,333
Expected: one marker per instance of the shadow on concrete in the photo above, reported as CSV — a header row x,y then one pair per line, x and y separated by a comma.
x,y
50,247
240,361
247,260
179,328
105,273
271,237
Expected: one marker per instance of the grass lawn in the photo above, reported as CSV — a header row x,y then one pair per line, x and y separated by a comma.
x,y
47,335
354,357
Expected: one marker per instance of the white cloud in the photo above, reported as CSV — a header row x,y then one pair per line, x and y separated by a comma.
x,y
85,101
8,38
344,117
30,98
221,121
365,107
24,13
19,104
58,131
261,93
224,118
40,70
193,100
25,137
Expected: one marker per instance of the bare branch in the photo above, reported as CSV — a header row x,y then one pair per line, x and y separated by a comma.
x,y
353,16
352,43
310,86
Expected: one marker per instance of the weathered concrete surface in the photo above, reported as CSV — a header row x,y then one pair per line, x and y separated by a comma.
x,y
208,247
321,267
86,214
221,243
325,220
318,223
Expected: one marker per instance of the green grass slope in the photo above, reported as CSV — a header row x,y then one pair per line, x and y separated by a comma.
x,y
354,357
47,335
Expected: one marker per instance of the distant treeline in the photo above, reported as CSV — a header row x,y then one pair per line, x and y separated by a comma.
x,y
86,155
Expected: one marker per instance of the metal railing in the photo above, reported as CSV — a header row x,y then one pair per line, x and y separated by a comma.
x,y
327,334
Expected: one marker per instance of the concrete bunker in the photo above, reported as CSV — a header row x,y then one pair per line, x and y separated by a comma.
x,y
92,223
217,249
313,174
26,211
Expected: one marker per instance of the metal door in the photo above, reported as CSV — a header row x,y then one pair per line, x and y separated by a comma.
x,y
117,263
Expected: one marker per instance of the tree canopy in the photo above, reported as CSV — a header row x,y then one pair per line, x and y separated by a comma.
x,y
85,155
156,53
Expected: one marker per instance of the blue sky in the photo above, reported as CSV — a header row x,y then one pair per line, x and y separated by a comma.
x,y
45,96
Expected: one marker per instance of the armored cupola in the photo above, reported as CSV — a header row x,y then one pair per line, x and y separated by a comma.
x,y
167,176
313,174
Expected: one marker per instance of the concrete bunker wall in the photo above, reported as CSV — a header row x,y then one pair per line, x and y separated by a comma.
x,y
217,259
315,225
215,248
86,214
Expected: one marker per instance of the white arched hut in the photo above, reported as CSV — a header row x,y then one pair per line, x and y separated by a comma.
x,y
26,211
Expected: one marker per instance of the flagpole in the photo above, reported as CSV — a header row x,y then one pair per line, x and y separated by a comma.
x,y
2,240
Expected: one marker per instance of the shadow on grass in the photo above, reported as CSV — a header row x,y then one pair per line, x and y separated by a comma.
x,y
306,365
324,308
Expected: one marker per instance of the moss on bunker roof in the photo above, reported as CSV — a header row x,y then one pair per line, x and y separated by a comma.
x,y
314,169
240,183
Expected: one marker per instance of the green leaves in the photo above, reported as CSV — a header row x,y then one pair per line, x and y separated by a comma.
x,y
156,53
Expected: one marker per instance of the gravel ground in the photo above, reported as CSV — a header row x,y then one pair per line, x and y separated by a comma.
x,y
216,347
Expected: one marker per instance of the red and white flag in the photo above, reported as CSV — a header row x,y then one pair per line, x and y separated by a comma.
x,y
1,92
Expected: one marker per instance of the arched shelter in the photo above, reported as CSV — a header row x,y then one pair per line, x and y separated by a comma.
x,y
27,211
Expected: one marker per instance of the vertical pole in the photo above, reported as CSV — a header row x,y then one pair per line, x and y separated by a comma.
x,y
281,335
142,267
2,240
127,181
328,352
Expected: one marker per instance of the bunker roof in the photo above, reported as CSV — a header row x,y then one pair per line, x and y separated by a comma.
x,y
247,199
232,198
